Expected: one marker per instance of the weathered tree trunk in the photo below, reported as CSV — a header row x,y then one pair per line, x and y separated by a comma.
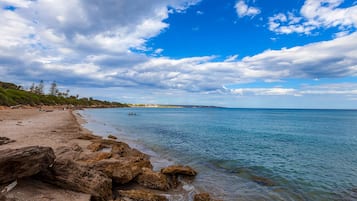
x,y
24,162
68,174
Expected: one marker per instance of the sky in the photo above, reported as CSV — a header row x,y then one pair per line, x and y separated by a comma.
x,y
231,53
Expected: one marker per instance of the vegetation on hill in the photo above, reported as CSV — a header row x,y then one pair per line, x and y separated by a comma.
x,y
11,95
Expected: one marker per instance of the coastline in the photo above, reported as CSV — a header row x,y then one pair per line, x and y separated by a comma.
x,y
63,128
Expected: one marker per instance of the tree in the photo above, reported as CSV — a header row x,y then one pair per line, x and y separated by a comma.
x,y
39,89
53,89
32,88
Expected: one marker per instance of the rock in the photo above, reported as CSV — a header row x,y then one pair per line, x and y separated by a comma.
x,y
70,175
154,180
123,170
118,149
5,140
2,197
202,197
121,149
24,162
88,137
112,137
96,146
95,157
141,195
68,152
262,181
179,170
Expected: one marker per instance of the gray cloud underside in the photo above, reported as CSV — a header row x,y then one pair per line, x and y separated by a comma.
x,y
89,43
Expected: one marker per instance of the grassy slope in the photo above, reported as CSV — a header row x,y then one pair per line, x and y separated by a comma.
x,y
11,94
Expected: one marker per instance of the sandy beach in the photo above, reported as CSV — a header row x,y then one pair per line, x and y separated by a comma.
x,y
62,131
31,127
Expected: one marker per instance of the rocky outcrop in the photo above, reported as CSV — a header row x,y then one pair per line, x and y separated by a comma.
x,y
96,146
179,170
24,162
140,195
5,140
68,174
123,170
154,180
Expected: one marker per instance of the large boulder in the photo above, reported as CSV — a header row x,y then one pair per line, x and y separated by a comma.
x,y
179,170
70,175
154,180
140,195
24,162
122,170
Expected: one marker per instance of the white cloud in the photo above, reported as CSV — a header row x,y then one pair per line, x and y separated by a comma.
x,y
313,15
276,91
244,10
65,45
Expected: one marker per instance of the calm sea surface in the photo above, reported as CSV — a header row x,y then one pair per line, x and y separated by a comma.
x,y
246,154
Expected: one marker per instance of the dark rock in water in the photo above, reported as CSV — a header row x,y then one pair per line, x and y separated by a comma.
x,y
262,181
154,180
112,137
179,170
5,140
123,170
24,162
140,195
202,197
70,175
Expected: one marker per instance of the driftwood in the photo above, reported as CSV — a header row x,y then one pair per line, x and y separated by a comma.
x,y
24,162
70,175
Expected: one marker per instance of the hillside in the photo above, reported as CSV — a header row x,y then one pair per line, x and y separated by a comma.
x,y
11,95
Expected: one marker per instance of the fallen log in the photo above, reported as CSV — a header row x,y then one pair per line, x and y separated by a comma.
x,y
70,175
24,162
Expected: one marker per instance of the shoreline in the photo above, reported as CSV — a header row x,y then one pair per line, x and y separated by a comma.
x,y
64,128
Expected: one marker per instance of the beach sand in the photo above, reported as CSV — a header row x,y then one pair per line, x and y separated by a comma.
x,y
50,128
31,127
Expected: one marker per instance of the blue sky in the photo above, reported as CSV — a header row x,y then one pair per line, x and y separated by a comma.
x,y
233,53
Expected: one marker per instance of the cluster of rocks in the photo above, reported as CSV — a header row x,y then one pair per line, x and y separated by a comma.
x,y
95,170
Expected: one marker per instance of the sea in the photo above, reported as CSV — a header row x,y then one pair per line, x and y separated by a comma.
x,y
245,154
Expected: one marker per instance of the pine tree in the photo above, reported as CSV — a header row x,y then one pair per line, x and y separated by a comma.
x,y
53,89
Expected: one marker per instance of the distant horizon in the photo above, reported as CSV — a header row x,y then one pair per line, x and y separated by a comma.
x,y
236,53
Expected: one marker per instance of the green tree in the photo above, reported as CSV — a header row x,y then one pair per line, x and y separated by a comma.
x,y
53,89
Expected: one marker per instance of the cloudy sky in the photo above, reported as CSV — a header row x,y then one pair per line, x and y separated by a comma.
x,y
245,53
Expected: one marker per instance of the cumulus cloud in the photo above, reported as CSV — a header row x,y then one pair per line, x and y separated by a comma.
x,y
315,14
61,42
244,10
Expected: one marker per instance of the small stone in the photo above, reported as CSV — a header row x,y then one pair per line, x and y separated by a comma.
x,y
202,197
112,137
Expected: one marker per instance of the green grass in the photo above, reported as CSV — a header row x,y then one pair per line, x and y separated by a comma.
x,y
11,95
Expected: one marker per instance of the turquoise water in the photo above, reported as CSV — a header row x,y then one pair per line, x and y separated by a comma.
x,y
247,154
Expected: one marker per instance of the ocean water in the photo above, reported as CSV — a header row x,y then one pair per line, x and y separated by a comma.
x,y
246,154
